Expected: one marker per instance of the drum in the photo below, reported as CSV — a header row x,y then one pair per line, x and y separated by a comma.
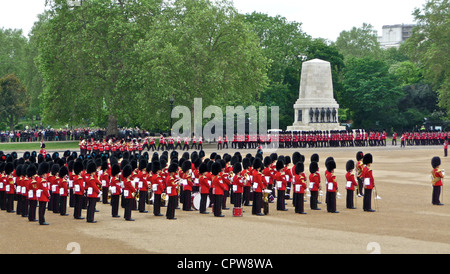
x,y
237,211
196,197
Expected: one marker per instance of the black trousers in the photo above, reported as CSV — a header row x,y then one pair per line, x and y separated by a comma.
x,y
436,194
55,202
187,196
237,199
157,204
42,207
299,202
350,198
142,198
367,202
203,200
128,207
281,200
105,195
10,202
78,206
19,198
62,205
246,195
115,205
24,205
32,210
257,202
313,199
218,205
91,209
331,203
170,213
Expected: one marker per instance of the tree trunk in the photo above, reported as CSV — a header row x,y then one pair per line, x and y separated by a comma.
x,y
112,130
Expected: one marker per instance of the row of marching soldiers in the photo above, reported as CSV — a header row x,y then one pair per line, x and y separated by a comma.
x,y
53,183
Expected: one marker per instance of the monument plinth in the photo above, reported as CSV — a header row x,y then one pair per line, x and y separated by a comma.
x,y
316,108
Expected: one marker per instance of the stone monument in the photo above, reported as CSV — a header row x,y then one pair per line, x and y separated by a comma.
x,y
316,108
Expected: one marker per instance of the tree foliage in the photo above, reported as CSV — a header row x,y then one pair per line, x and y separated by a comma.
x,y
13,100
429,46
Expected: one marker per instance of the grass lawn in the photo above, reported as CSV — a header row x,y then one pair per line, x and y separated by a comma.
x,y
35,146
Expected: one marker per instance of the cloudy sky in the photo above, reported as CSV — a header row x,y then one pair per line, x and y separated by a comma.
x,y
319,18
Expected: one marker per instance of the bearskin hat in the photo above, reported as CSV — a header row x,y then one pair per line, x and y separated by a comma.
x,y
91,167
359,155
115,169
331,164
257,163
142,164
31,171
280,164
127,170
148,168
313,167
77,167
104,165
315,157
237,168
435,162
246,163
26,155
173,168
296,157
350,165
202,168
55,169
267,161
367,159
156,166
201,154
63,171
216,168
186,166
19,170
43,168
299,168
274,157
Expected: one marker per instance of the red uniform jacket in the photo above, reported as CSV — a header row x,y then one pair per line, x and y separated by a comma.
x,y
92,186
218,185
299,183
128,189
351,182
368,179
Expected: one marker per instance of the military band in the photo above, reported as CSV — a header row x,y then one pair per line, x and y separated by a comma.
x,y
194,180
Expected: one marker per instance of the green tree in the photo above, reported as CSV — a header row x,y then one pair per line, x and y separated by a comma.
x,y
12,52
198,49
429,46
85,59
13,100
284,44
371,93
359,42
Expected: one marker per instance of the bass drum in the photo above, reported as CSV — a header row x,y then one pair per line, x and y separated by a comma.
x,y
196,197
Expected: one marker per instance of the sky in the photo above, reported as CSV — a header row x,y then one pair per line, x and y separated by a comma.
x,y
319,18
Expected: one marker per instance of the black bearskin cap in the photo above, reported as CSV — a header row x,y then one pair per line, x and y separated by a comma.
x,y
299,168
77,167
435,161
331,164
156,166
315,157
63,171
91,167
127,170
350,165
313,167
367,159
202,168
359,155
186,166
173,167
31,171
43,168
280,165
115,169
237,168
216,168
